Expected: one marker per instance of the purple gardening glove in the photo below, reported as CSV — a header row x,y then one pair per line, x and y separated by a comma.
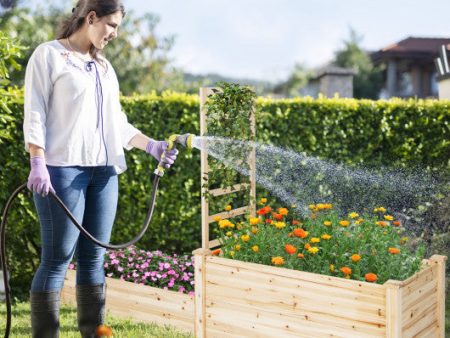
x,y
39,178
156,149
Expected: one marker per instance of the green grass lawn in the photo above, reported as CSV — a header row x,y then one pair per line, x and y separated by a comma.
x,y
121,328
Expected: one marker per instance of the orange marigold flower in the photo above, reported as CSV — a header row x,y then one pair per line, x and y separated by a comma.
x,y
299,232
313,216
103,331
254,230
296,222
346,270
278,217
307,246
215,252
382,224
283,211
264,211
371,277
290,249
344,223
269,221
278,260
355,258
300,255
394,251
397,223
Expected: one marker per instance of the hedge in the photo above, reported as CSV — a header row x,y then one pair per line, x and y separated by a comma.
x,y
395,132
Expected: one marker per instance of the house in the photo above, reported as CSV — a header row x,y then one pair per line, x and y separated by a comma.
x,y
409,67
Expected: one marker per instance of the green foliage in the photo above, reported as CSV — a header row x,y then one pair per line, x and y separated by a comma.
x,y
396,132
326,243
228,113
368,80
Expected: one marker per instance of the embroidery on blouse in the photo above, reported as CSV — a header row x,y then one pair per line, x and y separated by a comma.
x,y
66,56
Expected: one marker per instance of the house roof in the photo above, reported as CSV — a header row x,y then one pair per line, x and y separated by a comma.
x,y
412,47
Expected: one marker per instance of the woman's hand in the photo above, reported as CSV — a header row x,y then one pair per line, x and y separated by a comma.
x,y
157,148
39,178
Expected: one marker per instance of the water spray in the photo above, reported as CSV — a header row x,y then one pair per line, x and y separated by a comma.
x,y
184,140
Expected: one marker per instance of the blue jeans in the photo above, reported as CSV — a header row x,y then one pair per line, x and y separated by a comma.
x,y
90,193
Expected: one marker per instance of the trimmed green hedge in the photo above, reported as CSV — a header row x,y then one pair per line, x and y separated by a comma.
x,y
347,130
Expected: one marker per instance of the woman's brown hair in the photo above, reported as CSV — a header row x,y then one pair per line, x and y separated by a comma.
x,y
73,23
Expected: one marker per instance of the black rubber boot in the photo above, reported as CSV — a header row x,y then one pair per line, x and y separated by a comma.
x,y
90,308
45,314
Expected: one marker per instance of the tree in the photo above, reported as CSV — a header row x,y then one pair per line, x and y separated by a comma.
x,y
368,80
296,81
139,55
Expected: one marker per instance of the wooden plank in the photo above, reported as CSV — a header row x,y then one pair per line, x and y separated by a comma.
x,y
423,323
204,169
428,309
393,309
200,307
290,300
428,290
440,262
214,243
229,214
418,280
363,287
267,324
417,309
427,269
230,190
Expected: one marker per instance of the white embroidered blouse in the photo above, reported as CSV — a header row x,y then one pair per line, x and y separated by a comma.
x,y
75,119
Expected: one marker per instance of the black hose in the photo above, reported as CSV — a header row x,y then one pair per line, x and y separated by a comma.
x,y
79,226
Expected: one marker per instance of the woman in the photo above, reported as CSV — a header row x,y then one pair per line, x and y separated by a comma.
x,y
75,132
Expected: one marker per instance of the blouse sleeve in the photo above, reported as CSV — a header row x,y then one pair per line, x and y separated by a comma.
x,y
38,87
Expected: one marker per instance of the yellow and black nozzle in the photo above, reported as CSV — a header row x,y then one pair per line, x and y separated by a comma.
x,y
185,140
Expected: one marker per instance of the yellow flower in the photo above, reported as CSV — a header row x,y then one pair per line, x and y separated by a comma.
x,y
381,224
245,238
355,258
327,223
293,206
237,247
229,233
315,240
344,223
228,207
326,236
263,201
312,206
359,221
280,225
232,253
388,217
332,267
353,215
224,223
255,248
403,240
217,218
254,220
254,230
278,260
313,250
380,209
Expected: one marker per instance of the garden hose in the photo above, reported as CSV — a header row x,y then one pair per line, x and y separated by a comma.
x,y
185,140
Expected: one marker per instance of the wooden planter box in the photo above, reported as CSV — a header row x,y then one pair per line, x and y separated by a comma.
x,y
239,299
141,303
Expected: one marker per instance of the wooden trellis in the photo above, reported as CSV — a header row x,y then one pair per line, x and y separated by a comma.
x,y
207,219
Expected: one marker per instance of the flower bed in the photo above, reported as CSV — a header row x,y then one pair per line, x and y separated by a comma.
x,y
146,286
346,288
371,248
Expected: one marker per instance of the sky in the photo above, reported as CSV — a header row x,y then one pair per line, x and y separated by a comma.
x,y
264,39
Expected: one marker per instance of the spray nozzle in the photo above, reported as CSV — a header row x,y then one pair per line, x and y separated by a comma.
x,y
185,140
